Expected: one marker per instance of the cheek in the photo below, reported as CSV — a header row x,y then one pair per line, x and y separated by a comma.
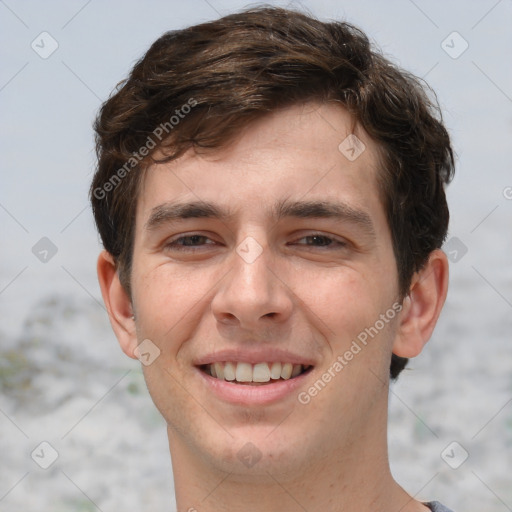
x,y
168,302
341,302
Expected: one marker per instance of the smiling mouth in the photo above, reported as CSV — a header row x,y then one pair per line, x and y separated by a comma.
x,y
254,374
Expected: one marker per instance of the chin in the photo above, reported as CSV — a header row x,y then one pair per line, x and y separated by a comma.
x,y
258,452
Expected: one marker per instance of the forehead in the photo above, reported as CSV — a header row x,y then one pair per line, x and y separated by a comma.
x,y
310,152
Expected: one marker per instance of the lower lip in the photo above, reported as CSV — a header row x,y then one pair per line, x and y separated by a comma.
x,y
244,394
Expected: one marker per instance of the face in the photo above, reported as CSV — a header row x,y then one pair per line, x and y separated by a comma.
x,y
268,262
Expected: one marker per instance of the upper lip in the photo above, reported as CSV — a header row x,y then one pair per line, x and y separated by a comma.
x,y
254,356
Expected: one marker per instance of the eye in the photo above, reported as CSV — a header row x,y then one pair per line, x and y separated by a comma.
x,y
319,240
189,242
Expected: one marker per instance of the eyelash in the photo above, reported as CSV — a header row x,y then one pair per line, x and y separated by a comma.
x,y
175,245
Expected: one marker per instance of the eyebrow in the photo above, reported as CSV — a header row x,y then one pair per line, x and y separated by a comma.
x,y
171,212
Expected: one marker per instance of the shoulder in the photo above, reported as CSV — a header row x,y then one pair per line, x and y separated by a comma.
x,y
435,506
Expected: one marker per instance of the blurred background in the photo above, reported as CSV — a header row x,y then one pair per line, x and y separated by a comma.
x,y
78,431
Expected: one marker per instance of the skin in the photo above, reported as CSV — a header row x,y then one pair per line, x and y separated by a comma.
x,y
299,294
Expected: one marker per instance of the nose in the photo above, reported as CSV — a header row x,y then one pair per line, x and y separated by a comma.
x,y
252,295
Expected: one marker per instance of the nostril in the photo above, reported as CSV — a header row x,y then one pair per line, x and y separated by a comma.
x,y
227,318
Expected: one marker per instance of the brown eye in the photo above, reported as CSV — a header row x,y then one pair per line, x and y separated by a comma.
x,y
189,242
317,240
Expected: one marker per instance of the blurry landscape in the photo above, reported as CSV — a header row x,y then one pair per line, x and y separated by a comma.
x,y
63,377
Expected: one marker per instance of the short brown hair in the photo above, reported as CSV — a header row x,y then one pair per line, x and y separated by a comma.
x,y
236,69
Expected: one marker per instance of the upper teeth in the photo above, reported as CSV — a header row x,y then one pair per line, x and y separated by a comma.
x,y
261,372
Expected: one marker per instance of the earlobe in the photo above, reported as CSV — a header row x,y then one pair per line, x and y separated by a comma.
x,y
422,307
118,304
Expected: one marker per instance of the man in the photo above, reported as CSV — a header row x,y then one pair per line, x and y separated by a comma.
x,y
270,195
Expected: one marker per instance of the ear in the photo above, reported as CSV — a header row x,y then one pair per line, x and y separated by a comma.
x,y
422,306
119,306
